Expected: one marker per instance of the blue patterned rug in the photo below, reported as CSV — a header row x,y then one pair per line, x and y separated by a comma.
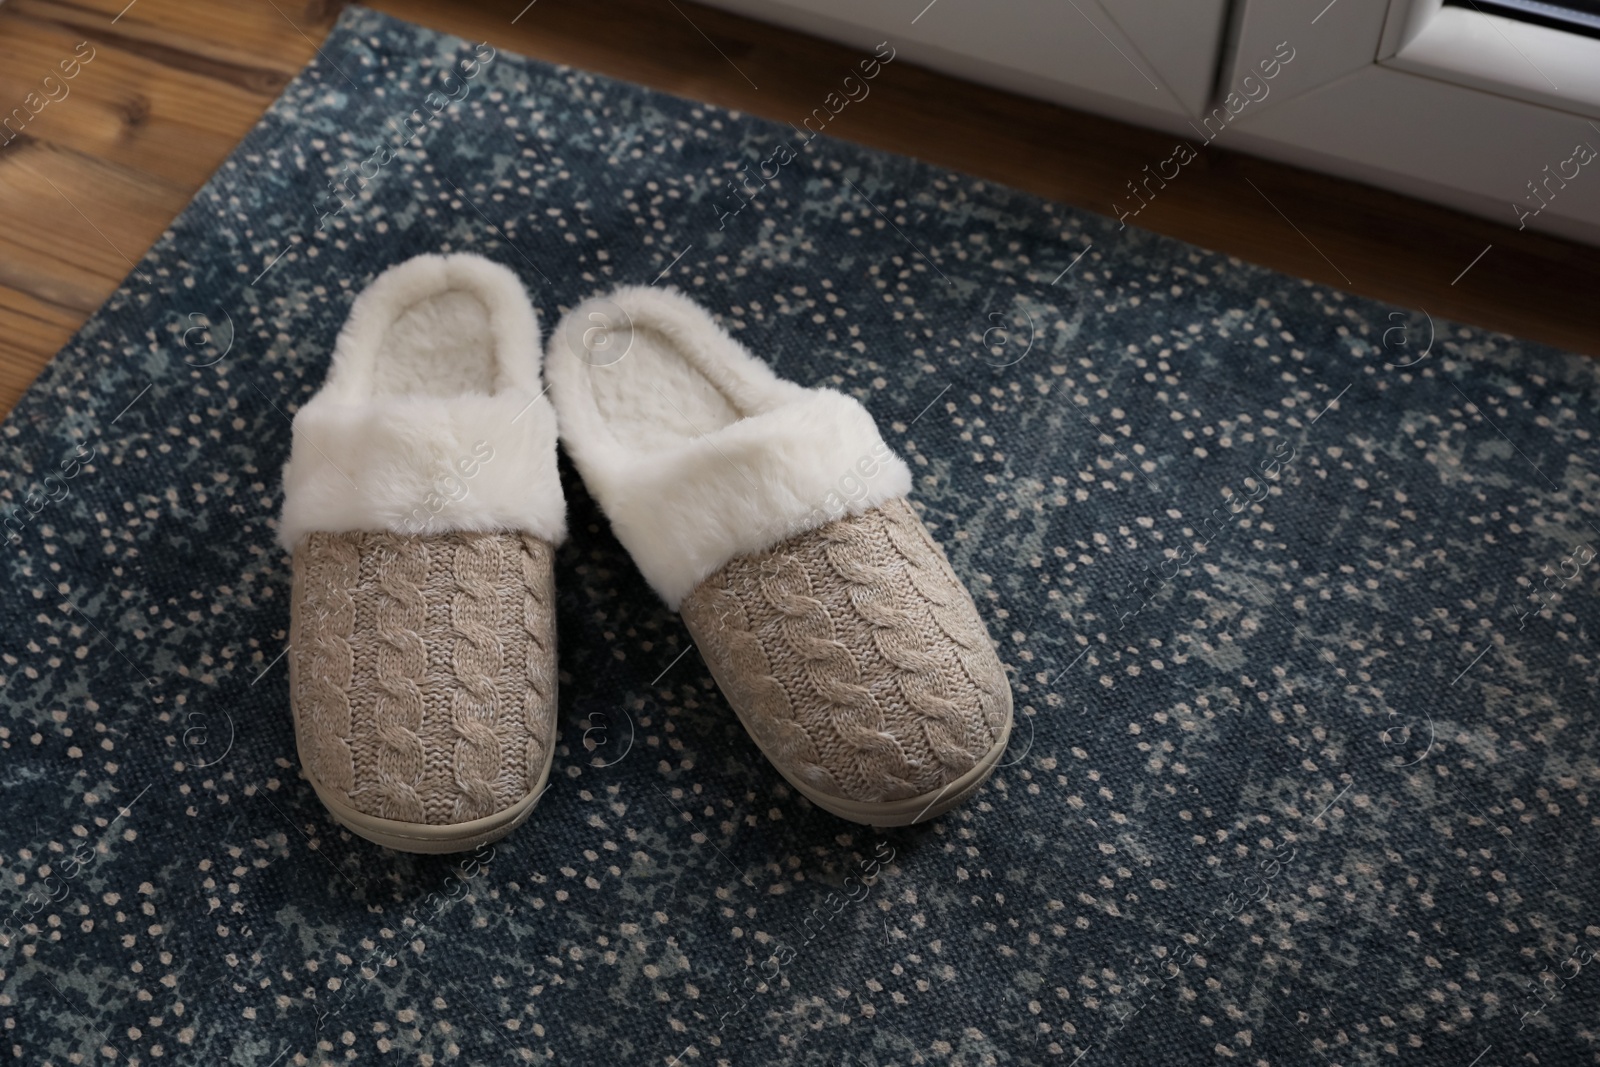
x,y
1296,592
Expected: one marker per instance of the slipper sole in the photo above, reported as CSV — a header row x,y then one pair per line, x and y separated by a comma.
x,y
429,838
916,809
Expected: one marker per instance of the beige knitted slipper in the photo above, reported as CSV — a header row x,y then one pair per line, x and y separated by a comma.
x,y
774,518
421,503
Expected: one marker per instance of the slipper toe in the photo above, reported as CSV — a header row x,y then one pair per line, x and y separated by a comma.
x,y
859,664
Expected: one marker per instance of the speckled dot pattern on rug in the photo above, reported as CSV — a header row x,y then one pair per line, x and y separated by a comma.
x,y
1295,593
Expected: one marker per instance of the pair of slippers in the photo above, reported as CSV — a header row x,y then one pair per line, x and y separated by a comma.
x,y
422,506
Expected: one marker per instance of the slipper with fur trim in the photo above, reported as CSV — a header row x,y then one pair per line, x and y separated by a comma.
x,y
422,504
774,518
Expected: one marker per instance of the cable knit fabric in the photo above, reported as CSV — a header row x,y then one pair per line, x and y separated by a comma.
x,y
855,657
423,670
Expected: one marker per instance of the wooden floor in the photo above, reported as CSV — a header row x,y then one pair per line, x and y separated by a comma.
x,y
174,84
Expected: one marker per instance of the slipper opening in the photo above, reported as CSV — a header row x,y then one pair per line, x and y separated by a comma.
x,y
431,418
658,396
694,448
443,345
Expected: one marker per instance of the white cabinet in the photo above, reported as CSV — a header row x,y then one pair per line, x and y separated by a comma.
x,y
1484,113
1138,60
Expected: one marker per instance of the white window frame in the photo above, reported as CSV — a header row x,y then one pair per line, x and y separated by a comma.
x,y
1524,60
1453,105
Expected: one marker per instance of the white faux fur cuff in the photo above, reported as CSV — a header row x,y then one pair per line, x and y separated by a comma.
x,y
419,466
694,449
432,417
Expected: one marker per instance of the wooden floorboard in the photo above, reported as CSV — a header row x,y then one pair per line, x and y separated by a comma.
x,y
174,85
